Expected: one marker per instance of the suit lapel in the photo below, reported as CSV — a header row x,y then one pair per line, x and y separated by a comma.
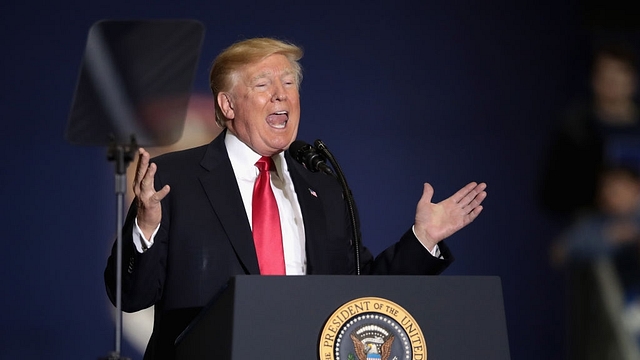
x,y
224,196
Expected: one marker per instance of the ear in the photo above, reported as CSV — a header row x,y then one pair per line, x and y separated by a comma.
x,y
226,105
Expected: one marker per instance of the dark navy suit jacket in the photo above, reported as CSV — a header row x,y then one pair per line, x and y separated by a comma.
x,y
205,238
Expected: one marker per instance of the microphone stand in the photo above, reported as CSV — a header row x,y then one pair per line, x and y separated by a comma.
x,y
122,155
348,197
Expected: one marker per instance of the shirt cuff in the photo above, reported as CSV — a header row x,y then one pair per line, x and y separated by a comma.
x,y
139,240
435,252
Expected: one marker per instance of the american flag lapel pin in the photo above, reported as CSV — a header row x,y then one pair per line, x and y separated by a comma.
x,y
313,193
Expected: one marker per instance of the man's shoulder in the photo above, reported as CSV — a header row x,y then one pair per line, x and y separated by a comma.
x,y
196,153
180,156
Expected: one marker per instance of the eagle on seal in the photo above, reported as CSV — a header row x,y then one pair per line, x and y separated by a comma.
x,y
369,350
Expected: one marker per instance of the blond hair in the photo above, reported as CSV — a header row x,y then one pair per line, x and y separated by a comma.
x,y
229,62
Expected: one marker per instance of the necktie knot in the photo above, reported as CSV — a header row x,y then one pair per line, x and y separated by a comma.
x,y
265,164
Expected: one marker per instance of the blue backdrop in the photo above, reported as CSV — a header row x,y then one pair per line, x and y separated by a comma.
x,y
402,92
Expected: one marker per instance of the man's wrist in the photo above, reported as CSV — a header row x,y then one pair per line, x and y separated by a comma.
x,y
434,250
142,242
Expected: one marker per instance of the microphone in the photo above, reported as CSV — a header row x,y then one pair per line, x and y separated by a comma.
x,y
309,157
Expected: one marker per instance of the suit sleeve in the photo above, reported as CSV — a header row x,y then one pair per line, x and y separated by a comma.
x,y
143,274
409,257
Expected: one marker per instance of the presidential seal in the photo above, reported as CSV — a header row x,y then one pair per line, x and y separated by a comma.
x,y
372,328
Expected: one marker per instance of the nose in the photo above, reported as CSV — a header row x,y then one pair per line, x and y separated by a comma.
x,y
279,93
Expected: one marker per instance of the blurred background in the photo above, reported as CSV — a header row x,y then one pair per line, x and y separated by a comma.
x,y
402,92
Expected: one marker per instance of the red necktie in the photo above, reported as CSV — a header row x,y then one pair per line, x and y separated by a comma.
x,y
266,222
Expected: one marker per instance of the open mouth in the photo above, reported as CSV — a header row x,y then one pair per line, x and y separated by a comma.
x,y
278,119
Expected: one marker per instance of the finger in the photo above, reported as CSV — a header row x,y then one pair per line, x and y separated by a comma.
x,y
162,193
143,161
472,194
473,202
147,183
474,214
141,169
460,194
156,197
465,191
482,186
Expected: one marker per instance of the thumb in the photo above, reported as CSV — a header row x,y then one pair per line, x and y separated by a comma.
x,y
427,192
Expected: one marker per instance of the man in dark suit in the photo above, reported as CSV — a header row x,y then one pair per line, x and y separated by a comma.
x,y
189,228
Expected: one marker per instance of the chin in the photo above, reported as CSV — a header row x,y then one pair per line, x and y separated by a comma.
x,y
283,141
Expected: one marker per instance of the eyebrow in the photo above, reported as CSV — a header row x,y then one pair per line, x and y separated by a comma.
x,y
265,74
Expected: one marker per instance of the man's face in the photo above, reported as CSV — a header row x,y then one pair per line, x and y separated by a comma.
x,y
263,107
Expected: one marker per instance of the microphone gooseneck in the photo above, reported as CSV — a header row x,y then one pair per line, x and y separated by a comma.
x,y
313,159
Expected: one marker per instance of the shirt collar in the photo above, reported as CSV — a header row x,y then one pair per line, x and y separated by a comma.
x,y
243,158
